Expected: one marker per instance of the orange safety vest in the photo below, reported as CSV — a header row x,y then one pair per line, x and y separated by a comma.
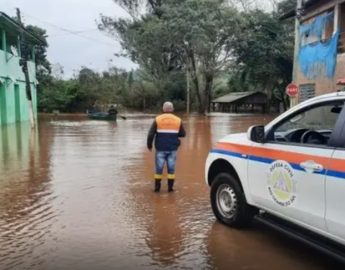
x,y
168,123
168,127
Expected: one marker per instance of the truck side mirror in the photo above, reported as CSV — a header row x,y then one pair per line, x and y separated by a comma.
x,y
256,134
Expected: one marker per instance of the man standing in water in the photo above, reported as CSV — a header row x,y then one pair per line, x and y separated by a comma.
x,y
165,130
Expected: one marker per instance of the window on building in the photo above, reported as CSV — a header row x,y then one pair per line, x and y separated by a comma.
x,y
307,91
329,29
12,44
0,39
319,28
307,37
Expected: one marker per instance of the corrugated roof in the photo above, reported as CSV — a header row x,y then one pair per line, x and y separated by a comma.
x,y
234,96
7,22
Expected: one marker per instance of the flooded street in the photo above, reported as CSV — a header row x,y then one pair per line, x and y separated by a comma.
x,y
77,194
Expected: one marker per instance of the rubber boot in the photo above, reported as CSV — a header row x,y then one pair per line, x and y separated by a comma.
x,y
171,185
157,185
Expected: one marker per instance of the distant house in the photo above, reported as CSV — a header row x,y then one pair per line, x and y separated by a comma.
x,y
13,100
320,47
240,102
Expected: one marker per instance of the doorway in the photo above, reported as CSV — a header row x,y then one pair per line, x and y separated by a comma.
x,y
3,105
17,102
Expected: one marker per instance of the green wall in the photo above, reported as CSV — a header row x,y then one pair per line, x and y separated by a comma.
x,y
3,106
17,103
12,90
15,145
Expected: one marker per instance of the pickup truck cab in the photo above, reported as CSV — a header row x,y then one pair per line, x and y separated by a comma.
x,y
292,169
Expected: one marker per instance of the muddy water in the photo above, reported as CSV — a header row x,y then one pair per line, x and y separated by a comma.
x,y
77,194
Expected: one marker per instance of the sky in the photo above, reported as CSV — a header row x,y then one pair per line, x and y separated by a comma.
x,y
88,47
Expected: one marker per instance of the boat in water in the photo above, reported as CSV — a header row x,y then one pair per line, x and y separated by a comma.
x,y
102,116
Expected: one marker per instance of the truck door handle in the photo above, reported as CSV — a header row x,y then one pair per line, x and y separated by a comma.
x,y
310,166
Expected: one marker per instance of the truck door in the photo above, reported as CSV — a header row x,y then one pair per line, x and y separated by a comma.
x,y
287,174
335,195
335,186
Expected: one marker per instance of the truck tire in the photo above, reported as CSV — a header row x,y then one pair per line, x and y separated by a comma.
x,y
229,203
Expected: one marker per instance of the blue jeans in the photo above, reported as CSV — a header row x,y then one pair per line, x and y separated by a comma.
x,y
168,157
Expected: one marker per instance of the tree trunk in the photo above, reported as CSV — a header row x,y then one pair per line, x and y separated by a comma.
x,y
208,92
269,92
194,76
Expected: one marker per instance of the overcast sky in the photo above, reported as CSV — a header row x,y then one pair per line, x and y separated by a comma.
x,y
89,47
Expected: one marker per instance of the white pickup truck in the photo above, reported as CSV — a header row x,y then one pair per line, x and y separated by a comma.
x,y
289,174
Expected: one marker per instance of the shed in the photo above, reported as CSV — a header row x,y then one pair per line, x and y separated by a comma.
x,y
253,101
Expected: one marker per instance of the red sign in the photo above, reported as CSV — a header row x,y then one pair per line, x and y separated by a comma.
x,y
292,90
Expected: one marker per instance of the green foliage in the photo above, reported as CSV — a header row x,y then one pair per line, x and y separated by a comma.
x,y
205,31
80,93
186,34
144,42
42,63
286,6
264,54
57,95
263,49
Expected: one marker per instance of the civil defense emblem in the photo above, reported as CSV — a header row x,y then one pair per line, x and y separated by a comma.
x,y
281,183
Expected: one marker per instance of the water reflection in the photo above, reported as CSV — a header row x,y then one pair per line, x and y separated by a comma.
x,y
165,234
15,141
259,248
25,210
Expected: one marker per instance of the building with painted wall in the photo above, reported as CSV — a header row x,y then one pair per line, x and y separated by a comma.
x,y
14,106
320,46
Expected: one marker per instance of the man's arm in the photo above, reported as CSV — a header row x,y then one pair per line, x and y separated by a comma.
x,y
151,135
181,132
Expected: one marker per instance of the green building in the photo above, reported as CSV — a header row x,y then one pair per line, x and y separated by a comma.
x,y
14,105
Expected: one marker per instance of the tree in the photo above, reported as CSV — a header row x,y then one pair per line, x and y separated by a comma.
x,y
192,35
42,63
43,67
136,8
205,31
264,53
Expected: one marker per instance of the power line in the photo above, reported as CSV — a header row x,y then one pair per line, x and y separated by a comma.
x,y
71,32
75,33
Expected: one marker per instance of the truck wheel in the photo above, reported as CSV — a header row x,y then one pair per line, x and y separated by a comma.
x,y
229,203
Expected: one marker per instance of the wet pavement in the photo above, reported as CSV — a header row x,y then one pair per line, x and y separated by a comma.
x,y
77,194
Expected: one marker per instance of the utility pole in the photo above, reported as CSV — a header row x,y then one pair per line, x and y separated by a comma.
x,y
188,91
293,100
186,43
24,64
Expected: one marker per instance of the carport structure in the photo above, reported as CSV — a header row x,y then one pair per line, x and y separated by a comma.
x,y
237,102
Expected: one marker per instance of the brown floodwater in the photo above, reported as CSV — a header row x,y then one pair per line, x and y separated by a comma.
x,y
77,194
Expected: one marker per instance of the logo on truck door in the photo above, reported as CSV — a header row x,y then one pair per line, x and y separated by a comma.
x,y
281,184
